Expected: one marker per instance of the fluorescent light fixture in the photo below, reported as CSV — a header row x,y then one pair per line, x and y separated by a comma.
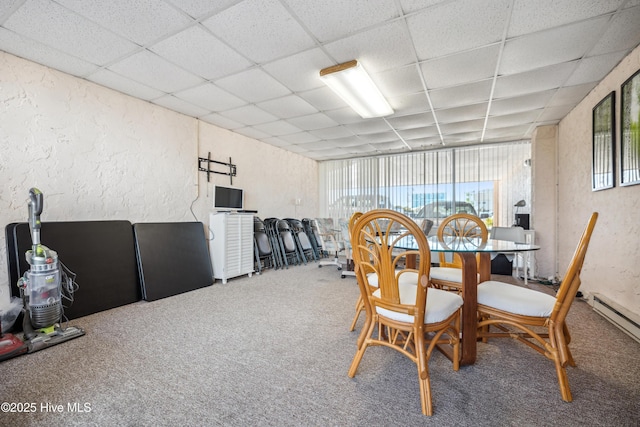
x,y
352,83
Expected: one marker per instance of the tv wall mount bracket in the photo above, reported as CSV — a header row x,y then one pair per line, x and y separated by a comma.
x,y
209,171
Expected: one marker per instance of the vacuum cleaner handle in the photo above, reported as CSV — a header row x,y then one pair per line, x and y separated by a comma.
x,y
35,209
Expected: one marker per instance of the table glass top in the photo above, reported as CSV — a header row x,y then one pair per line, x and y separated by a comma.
x,y
450,244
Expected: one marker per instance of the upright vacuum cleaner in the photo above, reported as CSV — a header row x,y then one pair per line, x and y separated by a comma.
x,y
41,289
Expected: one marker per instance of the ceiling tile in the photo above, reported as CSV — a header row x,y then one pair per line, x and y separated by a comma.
x,y
211,97
461,127
469,66
425,143
411,121
339,18
7,7
555,113
550,47
117,82
390,146
513,133
348,141
253,85
261,30
249,115
419,133
507,120
323,99
312,121
287,107
378,137
526,16
570,95
458,114
363,148
594,68
277,128
296,149
221,121
399,81
365,126
409,104
331,152
56,26
179,105
472,93
300,72
185,49
415,5
139,21
332,132
252,132
463,137
451,27
200,8
275,141
150,69
300,138
533,81
623,33
320,145
378,49
344,116
36,52
521,103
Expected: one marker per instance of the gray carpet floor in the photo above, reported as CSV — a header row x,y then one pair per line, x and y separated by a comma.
x,y
274,350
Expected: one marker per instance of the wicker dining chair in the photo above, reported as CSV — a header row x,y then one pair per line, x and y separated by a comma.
x,y
502,305
411,318
409,277
448,275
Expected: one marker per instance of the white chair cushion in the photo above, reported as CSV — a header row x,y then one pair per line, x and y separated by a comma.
x,y
440,304
515,299
449,274
410,278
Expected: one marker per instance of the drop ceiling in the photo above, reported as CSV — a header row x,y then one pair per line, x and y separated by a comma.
x,y
455,72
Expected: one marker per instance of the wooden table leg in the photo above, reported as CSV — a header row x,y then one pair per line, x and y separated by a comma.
x,y
411,261
470,271
469,308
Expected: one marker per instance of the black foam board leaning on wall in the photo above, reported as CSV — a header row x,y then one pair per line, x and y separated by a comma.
x,y
173,257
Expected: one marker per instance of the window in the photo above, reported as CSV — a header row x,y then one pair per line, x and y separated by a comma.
x,y
484,180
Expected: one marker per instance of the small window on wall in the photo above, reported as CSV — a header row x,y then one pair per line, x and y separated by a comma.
x,y
603,129
630,131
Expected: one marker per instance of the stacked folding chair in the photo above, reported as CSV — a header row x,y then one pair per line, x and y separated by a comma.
x,y
312,232
302,240
263,250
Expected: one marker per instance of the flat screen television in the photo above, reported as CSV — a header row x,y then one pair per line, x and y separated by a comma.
x,y
228,198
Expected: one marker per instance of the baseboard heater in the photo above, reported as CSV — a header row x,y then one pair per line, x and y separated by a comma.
x,y
615,314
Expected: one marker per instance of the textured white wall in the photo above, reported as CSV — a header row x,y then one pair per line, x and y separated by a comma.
x,y
271,178
612,266
97,154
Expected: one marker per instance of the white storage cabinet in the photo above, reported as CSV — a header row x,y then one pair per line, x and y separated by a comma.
x,y
231,246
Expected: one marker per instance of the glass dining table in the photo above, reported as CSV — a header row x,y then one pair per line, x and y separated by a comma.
x,y
467,248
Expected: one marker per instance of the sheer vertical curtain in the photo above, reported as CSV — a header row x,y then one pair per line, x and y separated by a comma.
x,y
490,178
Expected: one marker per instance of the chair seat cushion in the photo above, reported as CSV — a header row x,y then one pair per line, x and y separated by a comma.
x,y
440,304
515,299
449,274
